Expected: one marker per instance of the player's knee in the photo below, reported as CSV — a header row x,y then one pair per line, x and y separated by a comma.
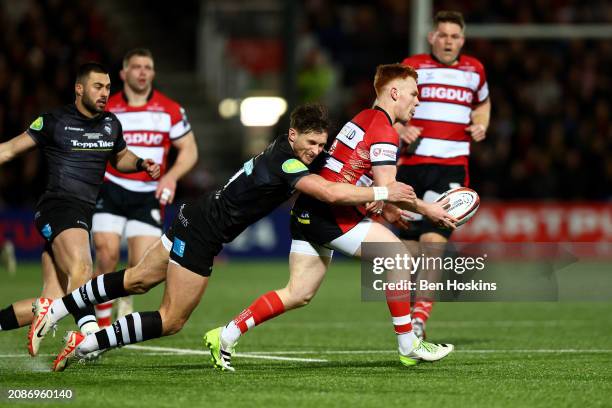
x,y
80,268
301,298
136,281
106,257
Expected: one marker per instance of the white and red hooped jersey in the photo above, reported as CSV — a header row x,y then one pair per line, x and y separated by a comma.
x,y
368,140
447,96
149,131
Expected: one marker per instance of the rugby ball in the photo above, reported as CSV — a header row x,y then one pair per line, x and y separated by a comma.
x,y
463,203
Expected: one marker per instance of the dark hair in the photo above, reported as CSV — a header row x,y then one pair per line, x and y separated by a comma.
x,y
446,16
140,52
389,72
310,117
87,68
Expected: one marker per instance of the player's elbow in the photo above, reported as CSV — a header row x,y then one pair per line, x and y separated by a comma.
x,y
6,155
334,196
194,155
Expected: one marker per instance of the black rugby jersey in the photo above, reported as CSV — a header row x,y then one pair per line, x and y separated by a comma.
x,y
261,185
77,149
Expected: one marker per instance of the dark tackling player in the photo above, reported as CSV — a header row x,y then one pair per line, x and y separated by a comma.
x,y
77,141
364,153
184,255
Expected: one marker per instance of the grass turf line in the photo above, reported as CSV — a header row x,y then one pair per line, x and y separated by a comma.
x,y
336,321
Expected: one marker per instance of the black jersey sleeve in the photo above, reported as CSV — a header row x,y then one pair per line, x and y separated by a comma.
x,y
120,141
41,130
291,170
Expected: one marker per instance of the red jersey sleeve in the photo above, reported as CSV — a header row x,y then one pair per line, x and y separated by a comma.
x,y
382,141
180,125
482,93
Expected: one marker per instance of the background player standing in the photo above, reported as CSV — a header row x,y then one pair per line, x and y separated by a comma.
x,y
129,204
454,110
77,140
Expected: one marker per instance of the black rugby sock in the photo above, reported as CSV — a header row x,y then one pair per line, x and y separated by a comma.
x,y
133,328
98,290
8,319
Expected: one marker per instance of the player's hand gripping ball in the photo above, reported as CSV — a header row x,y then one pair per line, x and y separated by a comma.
x,y
463,203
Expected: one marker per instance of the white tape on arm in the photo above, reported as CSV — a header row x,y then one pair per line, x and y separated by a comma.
x,y
381,193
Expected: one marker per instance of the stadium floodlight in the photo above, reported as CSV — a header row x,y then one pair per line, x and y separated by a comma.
x,y
262,110
228,108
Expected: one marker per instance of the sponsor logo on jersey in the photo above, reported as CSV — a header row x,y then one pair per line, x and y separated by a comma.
x,y
93,136
438,92
37,124
302,217
46,231
384,152
178,247
107,129
99,144
248,167
74,129
182,217
350,135
146,138
292,166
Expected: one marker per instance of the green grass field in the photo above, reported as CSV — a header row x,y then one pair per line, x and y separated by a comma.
x,y
338,351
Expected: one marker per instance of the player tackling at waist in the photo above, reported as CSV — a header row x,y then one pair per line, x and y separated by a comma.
x,y
183,257
364,153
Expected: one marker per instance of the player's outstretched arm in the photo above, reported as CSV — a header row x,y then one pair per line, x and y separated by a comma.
x,y
15,146
127,162
434,211
186,158
348,194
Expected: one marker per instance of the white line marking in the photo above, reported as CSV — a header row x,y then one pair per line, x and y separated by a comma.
x,y
439,324
475,351
24,355
278,355
244,355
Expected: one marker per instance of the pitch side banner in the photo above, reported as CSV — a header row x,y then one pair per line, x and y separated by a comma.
x,y
589,224
585,227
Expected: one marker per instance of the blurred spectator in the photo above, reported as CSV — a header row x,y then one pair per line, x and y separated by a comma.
x,y
42,44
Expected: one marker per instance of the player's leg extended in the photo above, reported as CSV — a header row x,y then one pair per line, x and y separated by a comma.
x,y
107,247
410,348
183,292
137,247
433,246
149,272
19,314
307,266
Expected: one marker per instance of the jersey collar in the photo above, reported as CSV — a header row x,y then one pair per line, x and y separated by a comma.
x,y
385,112
125,98
77,112
456,61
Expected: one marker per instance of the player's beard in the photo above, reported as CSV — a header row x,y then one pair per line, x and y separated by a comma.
x,y
90,105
